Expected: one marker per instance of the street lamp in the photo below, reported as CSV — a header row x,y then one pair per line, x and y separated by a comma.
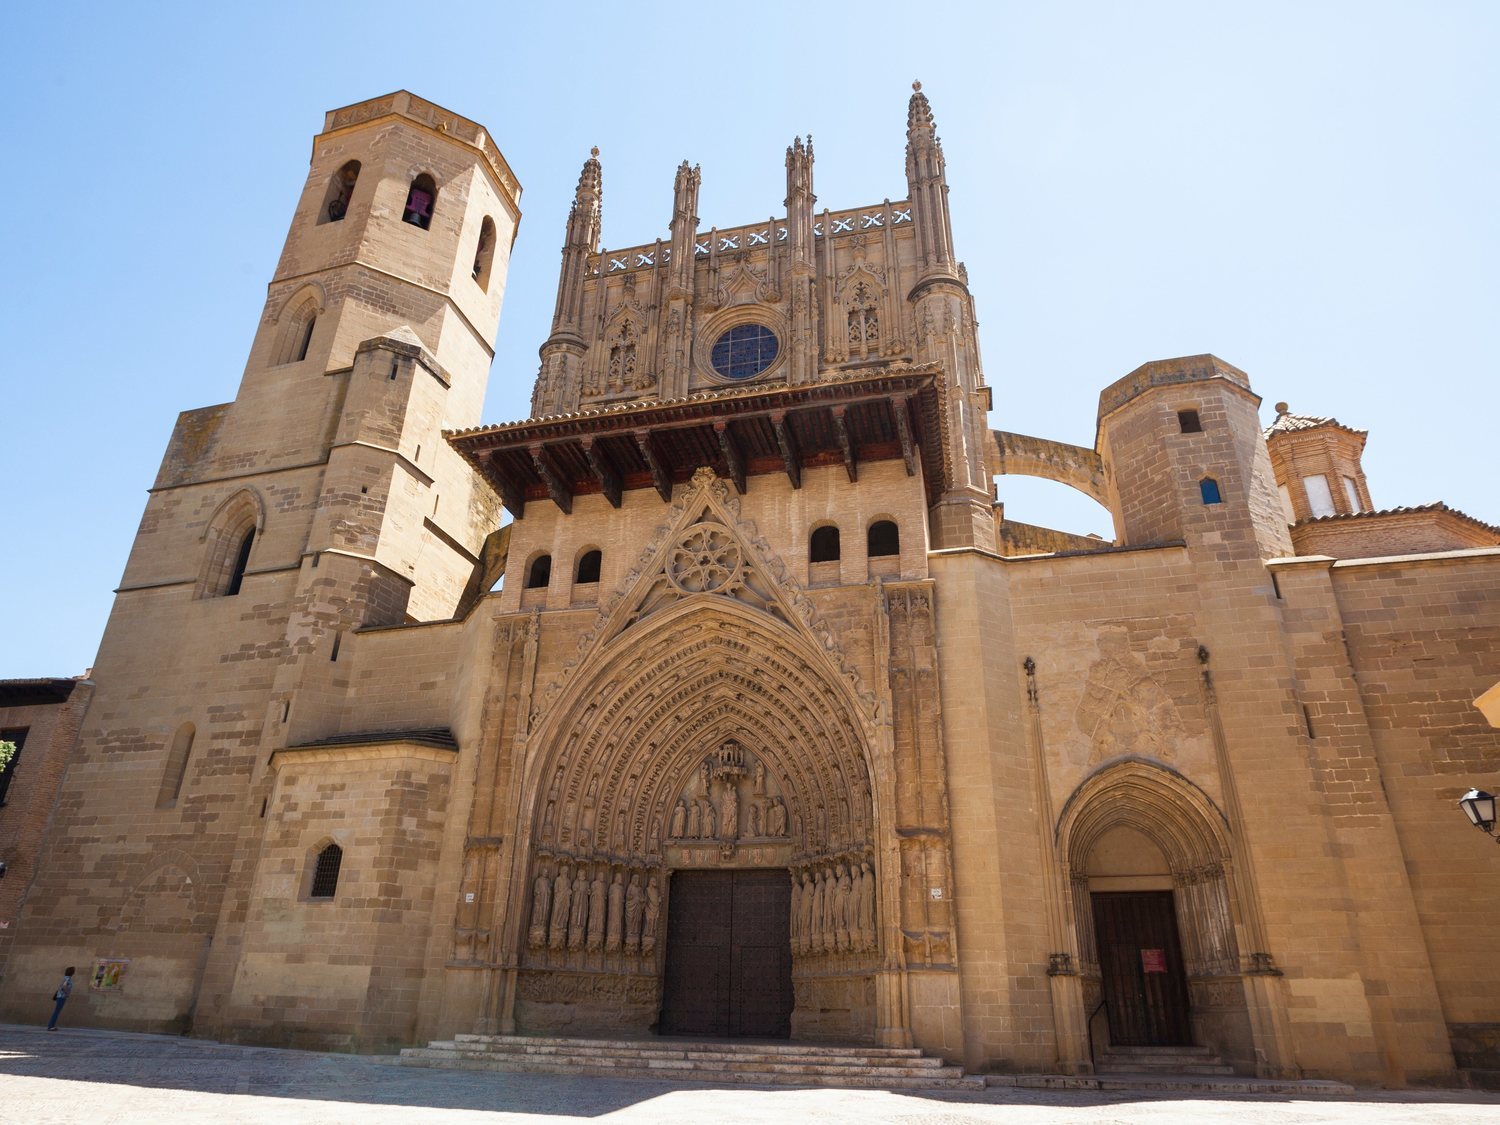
x,y
1479,807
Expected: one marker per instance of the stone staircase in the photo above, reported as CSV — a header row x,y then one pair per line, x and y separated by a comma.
x,y
1160,1060
695,1060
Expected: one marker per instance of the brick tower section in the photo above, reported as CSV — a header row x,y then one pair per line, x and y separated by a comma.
x,y
278,525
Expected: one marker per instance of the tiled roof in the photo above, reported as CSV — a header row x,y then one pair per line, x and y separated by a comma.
x,y
1287,422
1413,509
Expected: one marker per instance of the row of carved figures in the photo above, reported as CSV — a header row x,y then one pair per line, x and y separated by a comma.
x,y
697,819
593,907
833,908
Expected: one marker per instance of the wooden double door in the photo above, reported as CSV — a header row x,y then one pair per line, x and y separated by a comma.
x,y
1140,961
729,957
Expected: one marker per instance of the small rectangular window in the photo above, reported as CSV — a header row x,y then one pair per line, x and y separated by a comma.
x,y
1351,493
1319,498
1187,420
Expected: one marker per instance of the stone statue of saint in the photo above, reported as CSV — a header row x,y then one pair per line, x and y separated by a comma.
x,y
596,911
679,821
634,901
754,817
759,775
776,818
729,822
614,932
804,919
843,924
864,906
579,917
796,914
653,916
561,896
819,933
710,820
541,906
695,820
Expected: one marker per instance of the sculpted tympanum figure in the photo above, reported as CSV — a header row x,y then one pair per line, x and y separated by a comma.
x,y
729,821
695,820
776,818
679,821
754,817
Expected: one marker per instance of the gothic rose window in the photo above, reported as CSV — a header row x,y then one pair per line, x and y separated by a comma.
x,y
744,351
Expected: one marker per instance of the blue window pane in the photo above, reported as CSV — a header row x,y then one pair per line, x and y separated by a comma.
x,y
744,351
1210,490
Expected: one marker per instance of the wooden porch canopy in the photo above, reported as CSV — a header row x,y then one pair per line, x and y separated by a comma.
x,y
737,432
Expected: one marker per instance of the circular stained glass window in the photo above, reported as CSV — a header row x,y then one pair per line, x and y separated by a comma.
x,y
744,351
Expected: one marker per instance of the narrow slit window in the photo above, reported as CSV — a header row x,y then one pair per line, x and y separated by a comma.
x,y
421,197
241,561
306,339
175,772
326,873
484,254
824,545
588,567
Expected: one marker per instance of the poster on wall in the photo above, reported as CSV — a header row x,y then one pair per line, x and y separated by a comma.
x,y
1153,960
109,974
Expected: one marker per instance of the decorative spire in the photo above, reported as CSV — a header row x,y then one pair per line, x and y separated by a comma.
x,y
919,114
590,180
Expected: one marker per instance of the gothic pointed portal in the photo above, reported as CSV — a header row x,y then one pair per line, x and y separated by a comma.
x,y
705,727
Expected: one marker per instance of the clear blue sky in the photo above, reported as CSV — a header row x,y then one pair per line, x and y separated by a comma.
x,y
1307,189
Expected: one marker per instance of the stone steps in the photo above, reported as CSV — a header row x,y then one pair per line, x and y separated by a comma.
x,y
1174,1084
1161,1060
760,1064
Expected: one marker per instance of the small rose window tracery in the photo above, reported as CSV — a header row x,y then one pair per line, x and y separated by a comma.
x,y
705,559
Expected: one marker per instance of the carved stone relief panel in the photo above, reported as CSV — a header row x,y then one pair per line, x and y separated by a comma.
x,y
730,797
593,914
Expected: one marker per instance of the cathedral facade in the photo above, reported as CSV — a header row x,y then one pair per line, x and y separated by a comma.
x,y
758,718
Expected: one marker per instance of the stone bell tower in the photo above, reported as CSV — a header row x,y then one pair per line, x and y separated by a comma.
x,y
321,499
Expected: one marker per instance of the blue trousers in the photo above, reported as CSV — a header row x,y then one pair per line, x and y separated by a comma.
x,y
56,1011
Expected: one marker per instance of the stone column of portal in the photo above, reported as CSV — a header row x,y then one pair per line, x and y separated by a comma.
x,y
559,382
942,312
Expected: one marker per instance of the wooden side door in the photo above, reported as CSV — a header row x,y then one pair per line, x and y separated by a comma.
x,y
1140,961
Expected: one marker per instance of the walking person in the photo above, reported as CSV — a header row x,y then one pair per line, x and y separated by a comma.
x,y
64,990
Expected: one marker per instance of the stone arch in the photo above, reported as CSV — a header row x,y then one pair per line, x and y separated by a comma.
x,y
240,516
648,709
1191,834
296,321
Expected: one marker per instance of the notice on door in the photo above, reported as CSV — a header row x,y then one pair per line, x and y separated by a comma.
x,y
1153,960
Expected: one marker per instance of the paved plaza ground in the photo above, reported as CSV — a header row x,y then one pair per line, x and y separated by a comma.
x,y
76,1075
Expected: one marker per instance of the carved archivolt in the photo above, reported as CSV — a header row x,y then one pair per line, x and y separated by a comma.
x,y
1190,832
